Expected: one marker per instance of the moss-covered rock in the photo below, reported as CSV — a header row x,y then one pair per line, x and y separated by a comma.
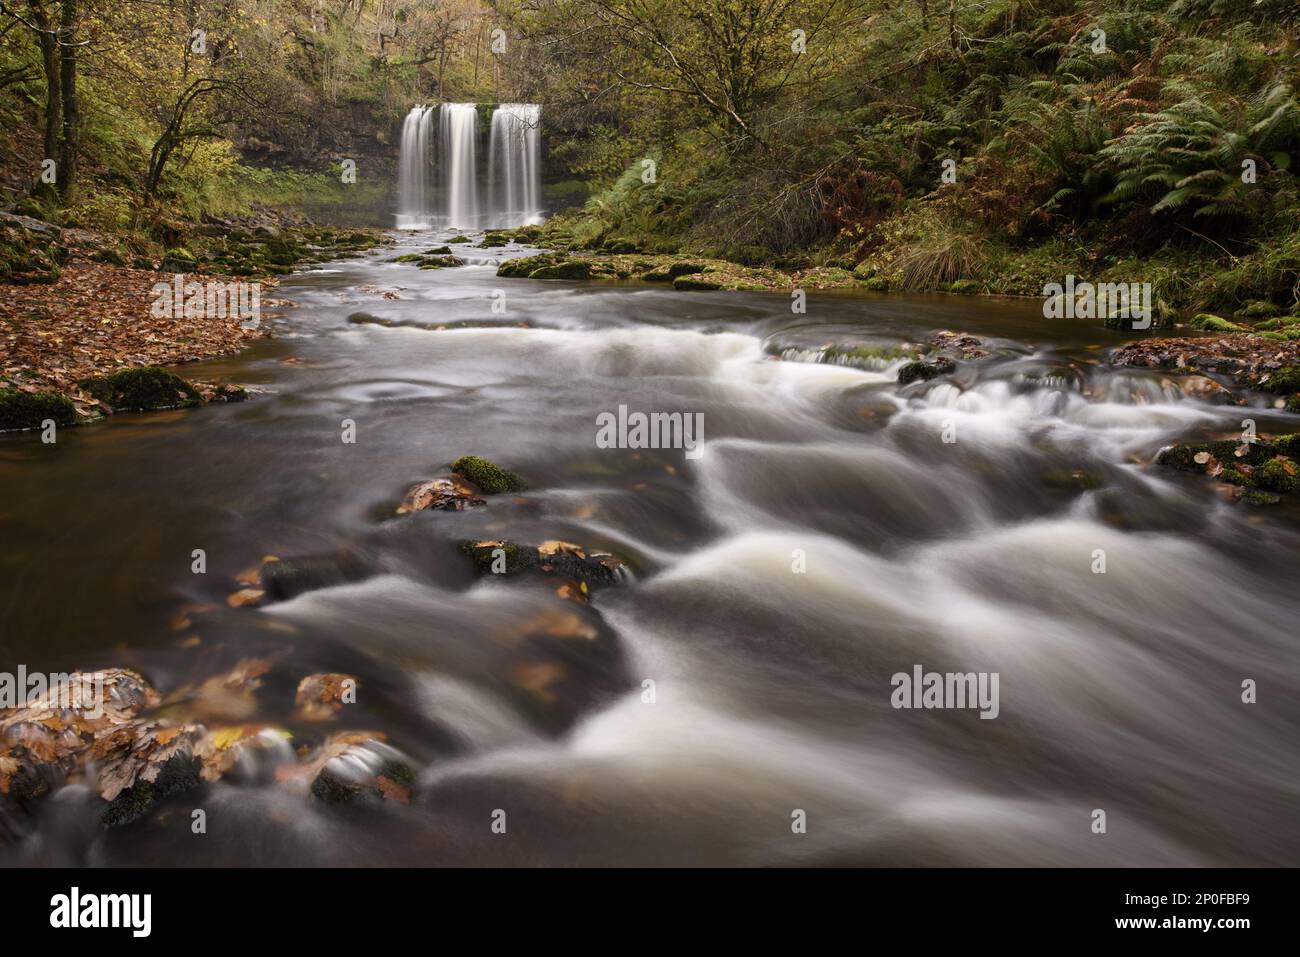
x,y
178,259
486,556
142,390
1214,324
553,559
571,269
695,282
31,250
440,262
488,477
1260,309
1278,475
459,239
1288,445
1283,381
28,410
178,774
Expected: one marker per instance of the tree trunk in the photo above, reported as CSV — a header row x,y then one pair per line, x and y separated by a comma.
x,y
50,63
70,147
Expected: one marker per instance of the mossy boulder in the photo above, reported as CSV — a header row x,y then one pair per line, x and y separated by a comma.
x,y
28,410
493,240
142,390
1259,309
1284,381
1278,475
525,266
1214,324
490,478
440,262
178,259
31,250
459,239
965,287
570,269
1183,457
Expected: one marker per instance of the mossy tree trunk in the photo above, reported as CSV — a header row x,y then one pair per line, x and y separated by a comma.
x,y
49,44
70,148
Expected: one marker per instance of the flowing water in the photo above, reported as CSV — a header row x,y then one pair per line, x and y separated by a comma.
x,y
514,164
772,687
453,179
415,202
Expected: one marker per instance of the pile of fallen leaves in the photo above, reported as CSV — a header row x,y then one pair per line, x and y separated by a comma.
x,y
97,319
1250,359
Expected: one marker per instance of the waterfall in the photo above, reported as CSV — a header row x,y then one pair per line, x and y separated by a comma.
x,y
459,139
440,177
514,177
414,205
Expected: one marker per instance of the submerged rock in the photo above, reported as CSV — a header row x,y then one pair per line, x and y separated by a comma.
x,y
287,578
354,767
564,560
280,579
321,697
920,370
958,344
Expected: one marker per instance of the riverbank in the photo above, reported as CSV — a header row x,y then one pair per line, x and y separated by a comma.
x,y
80,308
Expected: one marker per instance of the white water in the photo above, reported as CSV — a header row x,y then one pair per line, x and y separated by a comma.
x,y
459,141
414,202
514,176
450,180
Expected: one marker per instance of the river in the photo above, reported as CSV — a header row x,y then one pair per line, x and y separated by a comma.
x,y
827,539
